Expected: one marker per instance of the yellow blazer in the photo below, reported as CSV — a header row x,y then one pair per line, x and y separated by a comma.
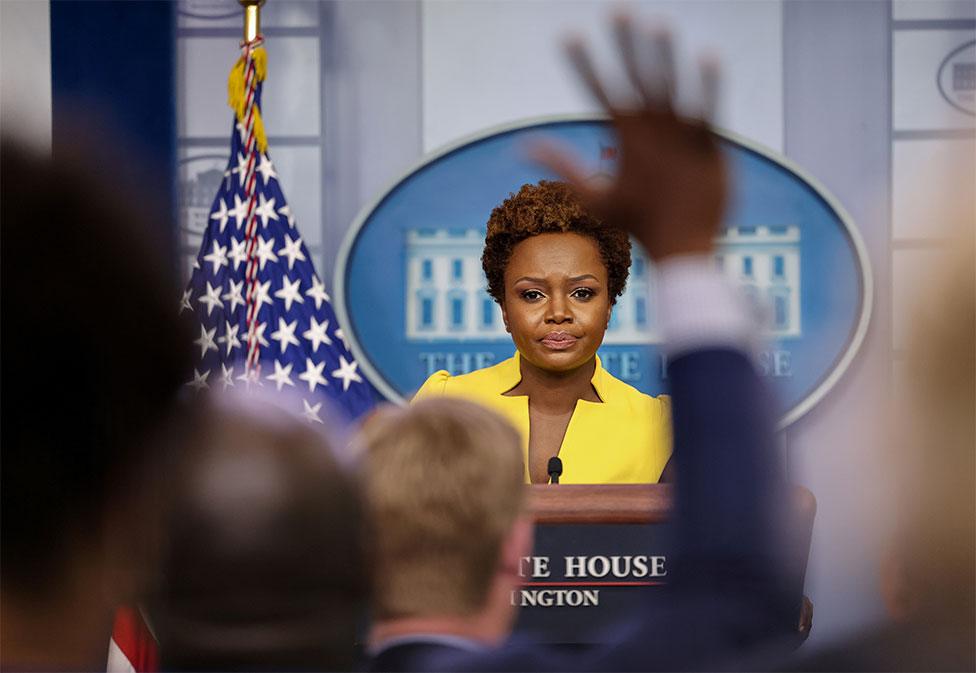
x,y
625,439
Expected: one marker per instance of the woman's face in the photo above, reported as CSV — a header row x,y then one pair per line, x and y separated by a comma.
x,y
557,305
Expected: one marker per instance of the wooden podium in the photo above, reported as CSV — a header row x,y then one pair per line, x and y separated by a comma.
x,y
600,548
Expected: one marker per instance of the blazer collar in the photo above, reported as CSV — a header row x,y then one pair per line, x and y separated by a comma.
x,y
510,373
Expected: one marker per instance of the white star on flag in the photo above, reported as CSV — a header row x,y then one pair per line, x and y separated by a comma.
x,y
264,251
217,257
318,293
312,412
199,381
234,295
258,333
206,340
238,252
241,169
211,298
281,375
240,210
292,250
185,301
261,296
289,292
286,211
230,337
285,335
316,333
266,210
221,215
313,374
266,170
346,372
227,376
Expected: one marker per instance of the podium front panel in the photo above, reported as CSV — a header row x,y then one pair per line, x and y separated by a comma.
x,y
582,579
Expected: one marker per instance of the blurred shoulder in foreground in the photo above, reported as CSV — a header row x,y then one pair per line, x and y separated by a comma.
x,y
928,577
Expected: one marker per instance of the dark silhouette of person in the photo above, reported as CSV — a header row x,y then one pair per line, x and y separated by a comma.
x,y
93,358
263,564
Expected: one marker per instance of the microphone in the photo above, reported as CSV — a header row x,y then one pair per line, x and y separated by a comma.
x,y
555,469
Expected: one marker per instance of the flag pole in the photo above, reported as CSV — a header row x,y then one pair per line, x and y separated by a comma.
x,y
252,18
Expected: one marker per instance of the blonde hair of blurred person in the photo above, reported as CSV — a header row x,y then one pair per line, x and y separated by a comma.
x,y
444,481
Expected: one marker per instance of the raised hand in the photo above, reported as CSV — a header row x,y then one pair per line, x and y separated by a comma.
x,y
670,189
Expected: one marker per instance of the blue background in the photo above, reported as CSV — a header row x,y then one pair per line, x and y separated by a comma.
x,y
458,190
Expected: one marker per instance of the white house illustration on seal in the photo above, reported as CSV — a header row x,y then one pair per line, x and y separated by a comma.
x,y
446,298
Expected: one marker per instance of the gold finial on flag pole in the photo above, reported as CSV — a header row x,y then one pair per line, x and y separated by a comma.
x,y
252,18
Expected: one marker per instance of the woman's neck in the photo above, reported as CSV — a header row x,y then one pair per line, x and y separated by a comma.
x,y
556,392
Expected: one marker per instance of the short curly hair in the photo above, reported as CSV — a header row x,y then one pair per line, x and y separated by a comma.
x,y
549,207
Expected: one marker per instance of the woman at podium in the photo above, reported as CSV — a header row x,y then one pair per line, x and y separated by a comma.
x,y
556,272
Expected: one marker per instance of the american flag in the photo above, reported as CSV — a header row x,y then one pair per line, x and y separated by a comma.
x,y
289,319
264,316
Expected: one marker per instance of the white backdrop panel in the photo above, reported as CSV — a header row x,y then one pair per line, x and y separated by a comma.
x,y
488,63
908,10
916,101
932,187
290,102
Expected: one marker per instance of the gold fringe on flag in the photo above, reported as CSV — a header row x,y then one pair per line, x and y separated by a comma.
x,y
237,96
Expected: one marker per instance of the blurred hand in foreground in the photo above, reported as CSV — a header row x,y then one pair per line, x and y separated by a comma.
x,y
670,189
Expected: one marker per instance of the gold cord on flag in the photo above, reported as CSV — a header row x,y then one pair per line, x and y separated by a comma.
x,y
237,93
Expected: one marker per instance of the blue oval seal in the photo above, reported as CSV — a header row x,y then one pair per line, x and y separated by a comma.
x,y
410,292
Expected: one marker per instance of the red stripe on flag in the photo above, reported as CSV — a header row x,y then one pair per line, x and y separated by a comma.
x,y
133,638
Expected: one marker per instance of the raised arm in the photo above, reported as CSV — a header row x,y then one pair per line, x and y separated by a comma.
x,y
726,593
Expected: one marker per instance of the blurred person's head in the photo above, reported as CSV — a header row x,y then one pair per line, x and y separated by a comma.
x,y
263,563
445,491
93,358
930,574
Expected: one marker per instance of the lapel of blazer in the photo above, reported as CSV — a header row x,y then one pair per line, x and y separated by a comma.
x,y
576,448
